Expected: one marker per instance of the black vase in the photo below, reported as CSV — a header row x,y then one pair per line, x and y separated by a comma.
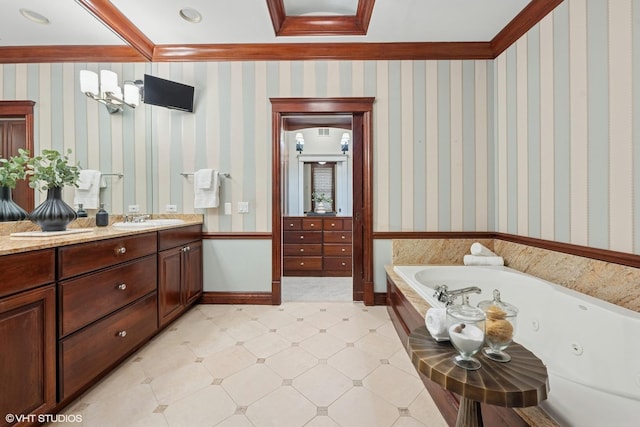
x,y
9,210
53,214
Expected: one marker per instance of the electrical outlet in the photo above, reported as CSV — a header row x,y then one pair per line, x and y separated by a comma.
x,y
243,207
227,208
134,208
171,208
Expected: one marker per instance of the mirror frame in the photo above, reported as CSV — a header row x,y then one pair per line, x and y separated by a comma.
x,y
23,194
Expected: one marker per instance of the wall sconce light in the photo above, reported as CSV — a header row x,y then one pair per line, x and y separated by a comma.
x,y
299,142
106,90
344,142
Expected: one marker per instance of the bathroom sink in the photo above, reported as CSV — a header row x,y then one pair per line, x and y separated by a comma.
x,y
150,223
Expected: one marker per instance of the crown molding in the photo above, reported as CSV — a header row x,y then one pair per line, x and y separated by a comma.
x,y
52,54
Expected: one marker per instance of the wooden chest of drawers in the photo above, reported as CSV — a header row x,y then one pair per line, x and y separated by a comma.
x,y
317,246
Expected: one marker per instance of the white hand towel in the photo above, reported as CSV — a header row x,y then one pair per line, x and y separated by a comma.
x,y
203,179
481,250
88,193
436,322
206,197
483,260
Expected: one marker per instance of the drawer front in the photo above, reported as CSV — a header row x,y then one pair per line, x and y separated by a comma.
x,y
88,298
26,270
337,236
338,263
347,223
302,237
85,257
292,223
312,224
337,250
302,250
330,224
303,263
174,237
93,350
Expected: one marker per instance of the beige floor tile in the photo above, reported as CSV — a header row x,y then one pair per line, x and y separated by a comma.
x,y
235,421
323,345
275,319
394,385
388,330
127,407
267,344
298,331
156,363
229,319
371,409
210,343
323,319
284,407
425,410
378,345
205,407
291,362
401,360
246,330
408,422
322,384
322,421
174,385
229,361
349,331
129,374
354,363
251,384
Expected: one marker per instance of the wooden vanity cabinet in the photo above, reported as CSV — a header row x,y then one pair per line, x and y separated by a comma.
x,y
337,243
179,271
107,299
27,333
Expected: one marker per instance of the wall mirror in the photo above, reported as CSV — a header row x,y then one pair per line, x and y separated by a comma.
x,y
317,167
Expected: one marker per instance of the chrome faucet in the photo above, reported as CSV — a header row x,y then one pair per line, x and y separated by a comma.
x,y
136,218
443,294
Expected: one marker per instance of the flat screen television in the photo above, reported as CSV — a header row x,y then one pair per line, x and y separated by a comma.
x,y
166,93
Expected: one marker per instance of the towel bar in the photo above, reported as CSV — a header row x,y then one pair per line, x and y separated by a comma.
x,y
118,174
186,174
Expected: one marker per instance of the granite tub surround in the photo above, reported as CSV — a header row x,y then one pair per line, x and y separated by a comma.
x,y
607,281
433,251
10,244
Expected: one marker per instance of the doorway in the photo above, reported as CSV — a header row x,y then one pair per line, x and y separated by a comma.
x,y
360,110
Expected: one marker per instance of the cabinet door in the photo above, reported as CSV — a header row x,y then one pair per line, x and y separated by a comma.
x,y
193,272
169,284
27,359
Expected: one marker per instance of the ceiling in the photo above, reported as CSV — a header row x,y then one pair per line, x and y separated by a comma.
x,y
153,29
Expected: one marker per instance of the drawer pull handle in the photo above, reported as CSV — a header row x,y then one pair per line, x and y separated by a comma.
x,y
122,286
313,225
344,250
344,263
121,250
122,334
302,263
343,237
301,237
333,224
290,225
301,250
186,249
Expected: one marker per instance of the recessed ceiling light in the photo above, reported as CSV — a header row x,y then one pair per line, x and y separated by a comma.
x,y
190,15
34,16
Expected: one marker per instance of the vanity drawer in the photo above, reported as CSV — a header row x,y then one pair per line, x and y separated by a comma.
x,y
292,224
26,270
303,263
88,353
302,250
312,224
302,237
343,223
88,298
84,257
338,263
337,236
174,237
337,250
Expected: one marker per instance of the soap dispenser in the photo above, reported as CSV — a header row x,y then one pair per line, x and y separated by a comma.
x,y
102,217
81,212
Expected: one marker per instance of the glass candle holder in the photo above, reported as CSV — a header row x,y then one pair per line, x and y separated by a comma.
x,y
500,327
466,333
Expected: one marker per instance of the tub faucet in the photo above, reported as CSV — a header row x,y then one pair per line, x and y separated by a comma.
x,y
443,294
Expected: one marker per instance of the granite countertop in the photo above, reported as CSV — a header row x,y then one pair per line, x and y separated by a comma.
x,y
15,244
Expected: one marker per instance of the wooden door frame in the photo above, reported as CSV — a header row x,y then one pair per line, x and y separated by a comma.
x,y
361,110
23,194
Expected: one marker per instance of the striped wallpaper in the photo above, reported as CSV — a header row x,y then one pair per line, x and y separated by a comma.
x,y
539,142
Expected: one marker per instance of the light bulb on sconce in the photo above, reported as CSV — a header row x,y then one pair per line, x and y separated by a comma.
x,y
299,142
105,90
344,142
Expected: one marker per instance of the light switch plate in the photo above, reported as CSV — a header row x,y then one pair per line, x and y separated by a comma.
x,y
243,207
227,208
134,208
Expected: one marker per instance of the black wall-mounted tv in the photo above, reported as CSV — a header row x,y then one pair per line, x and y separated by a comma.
x,y
166,93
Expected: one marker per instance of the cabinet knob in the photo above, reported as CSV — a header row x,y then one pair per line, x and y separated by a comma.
x,y
344,250
301,237
312,224
122,286
302,263
343,264
301,250
290,225
186,249
333,224
343,237
121,250
122,334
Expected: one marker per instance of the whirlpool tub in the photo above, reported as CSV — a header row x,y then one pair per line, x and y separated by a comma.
x,y
591,348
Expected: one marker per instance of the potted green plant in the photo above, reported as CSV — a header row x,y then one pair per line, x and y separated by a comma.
x,y
12,170
321,200
50,172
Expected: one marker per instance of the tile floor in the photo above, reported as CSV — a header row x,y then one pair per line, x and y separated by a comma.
x,y
297,364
